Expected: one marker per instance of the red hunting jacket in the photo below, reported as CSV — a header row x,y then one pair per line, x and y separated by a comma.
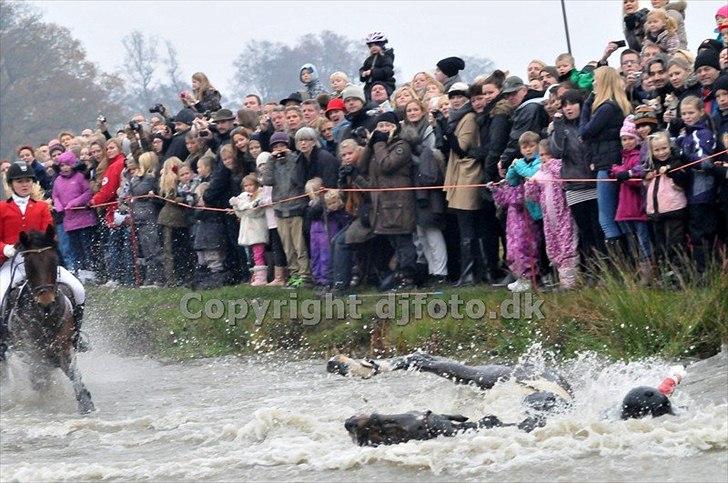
x,y
37,217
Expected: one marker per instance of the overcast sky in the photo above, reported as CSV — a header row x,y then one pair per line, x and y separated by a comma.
x,y
209,35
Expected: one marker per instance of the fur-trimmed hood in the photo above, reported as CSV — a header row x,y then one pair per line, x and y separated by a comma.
x,y
501,107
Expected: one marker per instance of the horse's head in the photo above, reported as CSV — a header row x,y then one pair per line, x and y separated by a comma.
x,y
41,264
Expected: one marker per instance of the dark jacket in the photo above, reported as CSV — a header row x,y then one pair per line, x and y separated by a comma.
x,y
388,165
529,116
600,132
145,210
382,70
428,170
566,145
697,143
208,230
177,147
360,119
634,29
324,165
226,183
495,129
287,175
210,101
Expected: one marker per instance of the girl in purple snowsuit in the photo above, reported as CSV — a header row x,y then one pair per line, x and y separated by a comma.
x,y
522,235
327,218
559,227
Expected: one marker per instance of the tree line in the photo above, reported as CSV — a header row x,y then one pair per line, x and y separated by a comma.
x,y
47,84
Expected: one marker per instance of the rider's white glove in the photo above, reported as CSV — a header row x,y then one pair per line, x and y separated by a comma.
x,y
9,251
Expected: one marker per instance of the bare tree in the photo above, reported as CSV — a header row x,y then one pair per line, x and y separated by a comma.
x,y
172,68
46,82
140,62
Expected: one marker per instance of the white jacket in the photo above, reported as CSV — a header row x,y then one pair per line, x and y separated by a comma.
x,y
253,225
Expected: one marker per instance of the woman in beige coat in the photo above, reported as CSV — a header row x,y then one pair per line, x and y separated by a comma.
x,y
462,135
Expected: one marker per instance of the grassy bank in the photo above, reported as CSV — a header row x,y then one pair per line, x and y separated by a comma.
x,y
616,319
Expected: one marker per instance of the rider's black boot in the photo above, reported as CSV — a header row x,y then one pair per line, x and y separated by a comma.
x,y
80,340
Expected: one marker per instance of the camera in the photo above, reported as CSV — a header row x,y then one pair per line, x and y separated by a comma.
x,y
101,119
134,125
204,133
159,108
278,155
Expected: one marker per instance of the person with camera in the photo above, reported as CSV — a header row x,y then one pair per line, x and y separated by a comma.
x,y
204,97
387,163
216,131
357,113
286,172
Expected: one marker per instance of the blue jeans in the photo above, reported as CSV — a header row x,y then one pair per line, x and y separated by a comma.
x,y
607,199
342,258
642,231
64,245
118,255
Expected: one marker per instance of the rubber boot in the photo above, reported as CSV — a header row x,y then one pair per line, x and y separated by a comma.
x,y
80,339
645,272
260,275
467,264
279,277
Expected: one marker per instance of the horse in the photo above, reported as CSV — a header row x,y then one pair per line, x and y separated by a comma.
x,y
41,324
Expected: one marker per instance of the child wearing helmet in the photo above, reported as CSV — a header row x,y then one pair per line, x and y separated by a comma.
x,y
379,66
22,212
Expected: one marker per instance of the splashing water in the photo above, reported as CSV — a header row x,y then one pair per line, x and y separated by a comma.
x,y
270,418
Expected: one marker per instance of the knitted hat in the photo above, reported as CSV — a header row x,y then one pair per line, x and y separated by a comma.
x,y
451,65
389,116
722,11
262,158
459,89
279,137
336,104
707,57
721,83
711,44
67,157
629,128
56,147
353,91
644,114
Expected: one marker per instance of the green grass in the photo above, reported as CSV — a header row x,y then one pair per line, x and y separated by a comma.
x,y
616,318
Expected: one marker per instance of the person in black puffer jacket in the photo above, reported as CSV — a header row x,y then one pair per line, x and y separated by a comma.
x,y
601,120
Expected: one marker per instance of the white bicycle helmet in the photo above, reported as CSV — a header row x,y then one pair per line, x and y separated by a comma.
x,y
376,37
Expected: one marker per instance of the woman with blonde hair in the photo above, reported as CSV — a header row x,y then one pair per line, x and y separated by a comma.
x,y
175,222
601,121
144,187
433,89
401,96
204,97
419,82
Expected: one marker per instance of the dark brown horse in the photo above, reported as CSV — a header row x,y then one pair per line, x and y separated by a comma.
x,y
41,324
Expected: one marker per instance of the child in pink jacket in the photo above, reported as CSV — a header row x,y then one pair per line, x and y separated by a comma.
x,y
631,214
559,227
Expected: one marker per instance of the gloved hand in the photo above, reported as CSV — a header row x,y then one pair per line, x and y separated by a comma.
x,y
622,176
119,218
378,136
9,251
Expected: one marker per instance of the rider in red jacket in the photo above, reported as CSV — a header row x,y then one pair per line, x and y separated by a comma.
x,y
22,213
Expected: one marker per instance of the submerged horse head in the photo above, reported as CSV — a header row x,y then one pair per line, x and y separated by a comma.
x,y
40,256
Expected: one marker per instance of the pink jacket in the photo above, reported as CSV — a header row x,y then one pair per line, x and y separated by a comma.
x,y
664,196
73,191
631,205
559,227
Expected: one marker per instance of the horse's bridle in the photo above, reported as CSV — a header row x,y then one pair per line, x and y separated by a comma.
x,y
40,288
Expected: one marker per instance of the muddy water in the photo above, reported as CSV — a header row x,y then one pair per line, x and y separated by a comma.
x,y
271,418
